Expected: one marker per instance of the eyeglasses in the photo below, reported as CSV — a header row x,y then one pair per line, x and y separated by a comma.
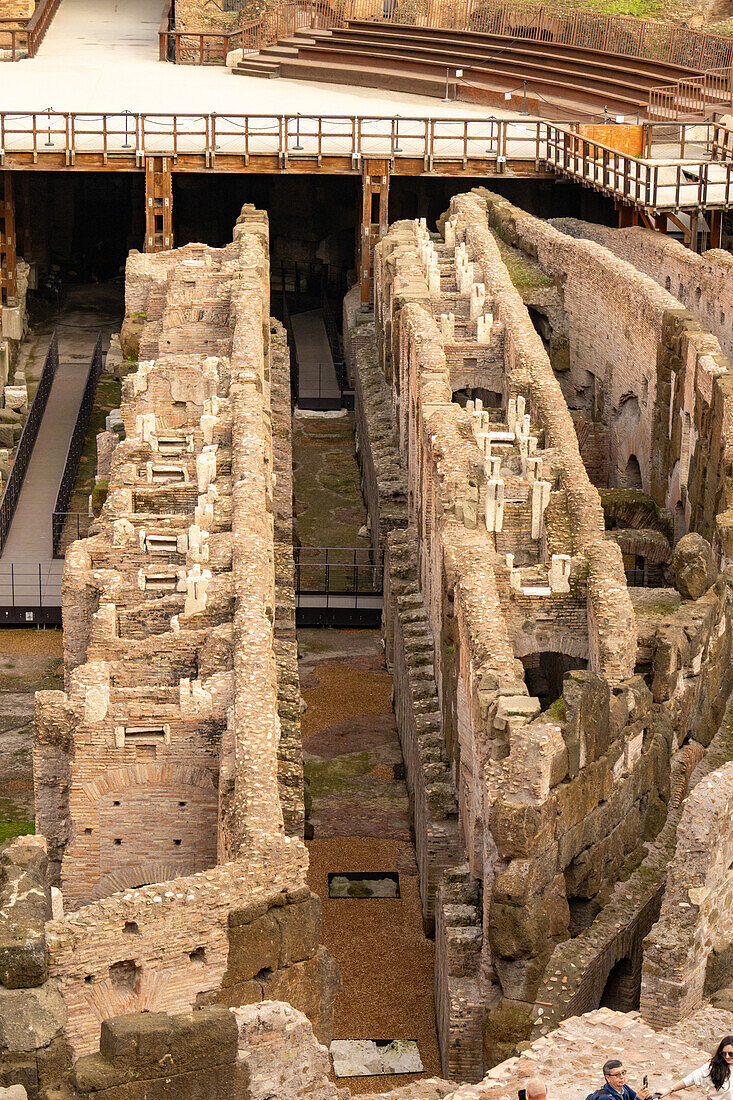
x,y
727,1053
622,1072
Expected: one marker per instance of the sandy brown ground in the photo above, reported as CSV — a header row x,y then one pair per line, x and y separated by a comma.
x,y
353,763
30,661
361,821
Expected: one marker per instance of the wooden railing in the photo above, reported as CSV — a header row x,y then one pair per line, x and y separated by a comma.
x,y
693,170
722,144
615,34
136,136
667,185
21,39
696,95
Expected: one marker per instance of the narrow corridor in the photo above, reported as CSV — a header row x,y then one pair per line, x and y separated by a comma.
x,y
358,813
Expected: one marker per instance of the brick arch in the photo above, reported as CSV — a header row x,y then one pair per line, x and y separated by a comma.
x,y
552,641
142,874
158,774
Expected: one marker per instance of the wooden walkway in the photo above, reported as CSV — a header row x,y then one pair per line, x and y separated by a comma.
x,y
317,383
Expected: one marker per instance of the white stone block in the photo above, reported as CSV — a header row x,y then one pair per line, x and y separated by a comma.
x,y
197,584
12,322
194,699
96,703
539,500
16,398
559,573
484,324
57,905
495,505
145,429
206,468
478,297
448,328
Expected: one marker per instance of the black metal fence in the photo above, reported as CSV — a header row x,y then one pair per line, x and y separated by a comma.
x,y
341,586
306,282
30,592
27,441
73,455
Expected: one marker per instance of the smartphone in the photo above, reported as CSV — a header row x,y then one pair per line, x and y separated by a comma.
x,y
522,1094
645,1082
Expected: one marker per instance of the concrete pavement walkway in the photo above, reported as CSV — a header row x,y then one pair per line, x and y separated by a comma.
x,y
85,312
101,55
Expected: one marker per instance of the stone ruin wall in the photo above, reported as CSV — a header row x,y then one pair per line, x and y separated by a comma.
x,y
689,953
550,807
702,283
173,757
674,414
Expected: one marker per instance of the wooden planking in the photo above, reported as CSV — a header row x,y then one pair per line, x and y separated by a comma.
x,y
158,204
374,220
8,255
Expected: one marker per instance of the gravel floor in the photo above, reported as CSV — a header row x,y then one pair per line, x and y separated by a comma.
x,y
360,815
30,661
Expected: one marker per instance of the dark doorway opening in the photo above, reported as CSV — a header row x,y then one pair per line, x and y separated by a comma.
x,y
622,991
489,398
544,674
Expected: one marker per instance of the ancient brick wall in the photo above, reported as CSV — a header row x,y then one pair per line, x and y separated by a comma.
x,y
658,379
19,10
477,603
701,283
613,331
33,1048
552,805
173,757
689,952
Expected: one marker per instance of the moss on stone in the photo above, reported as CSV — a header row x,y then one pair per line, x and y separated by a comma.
x,y
523,272
99,495
333,776
556,711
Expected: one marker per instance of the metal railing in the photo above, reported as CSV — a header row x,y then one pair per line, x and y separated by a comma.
x,y
696,95
76,446
22,38
350,576
616,34
27,441
30,592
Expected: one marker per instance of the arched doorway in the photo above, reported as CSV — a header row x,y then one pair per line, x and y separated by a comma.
x,y
631,478
623,987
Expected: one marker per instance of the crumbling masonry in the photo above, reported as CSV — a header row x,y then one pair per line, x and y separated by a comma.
x,y
542,702
173,756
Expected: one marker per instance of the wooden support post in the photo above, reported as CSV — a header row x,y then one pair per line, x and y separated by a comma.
x,y
8,255
693,231
716,226
660,223
158,204
375,196
627,215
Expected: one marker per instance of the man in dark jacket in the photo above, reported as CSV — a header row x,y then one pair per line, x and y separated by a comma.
x,y
615,1087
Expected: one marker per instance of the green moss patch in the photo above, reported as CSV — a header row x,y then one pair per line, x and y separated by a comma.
x,y
523,272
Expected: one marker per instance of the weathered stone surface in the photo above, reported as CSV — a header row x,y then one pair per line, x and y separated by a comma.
x,y
693,567
30,1018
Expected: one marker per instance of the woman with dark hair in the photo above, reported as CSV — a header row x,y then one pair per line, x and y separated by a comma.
x,y
715,1076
